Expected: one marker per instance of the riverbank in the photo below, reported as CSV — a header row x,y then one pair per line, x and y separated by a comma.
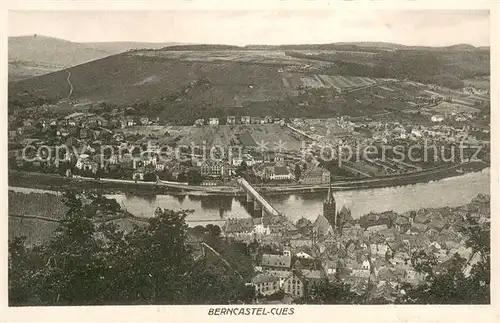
x,y
58,183
449,192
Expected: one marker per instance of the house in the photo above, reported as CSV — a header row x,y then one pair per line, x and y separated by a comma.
x,y
130,122
402,224
245,119
213,121
401,258
376,228
312,276
266,284
82,162
231,120
113,159
199,122
160,167
61,132
211,182
360,270
213,168
331,266
437,118
138,175
278,173
316,175
95,121
261,229
144,121
249,160
417,227
254,120
303,255
378,249
301,242
294,285
233,227
282,275
276,261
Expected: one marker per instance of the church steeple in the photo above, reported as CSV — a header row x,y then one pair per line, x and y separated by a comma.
x,y
329,197
329,207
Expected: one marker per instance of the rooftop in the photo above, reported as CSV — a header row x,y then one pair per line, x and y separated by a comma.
x,y
282,261
264,278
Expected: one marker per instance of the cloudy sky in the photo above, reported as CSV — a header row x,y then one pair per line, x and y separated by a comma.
x,y
429,28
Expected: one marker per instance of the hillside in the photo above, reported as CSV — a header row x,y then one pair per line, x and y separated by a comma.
x,y
129,77
181,85
36,55
446,66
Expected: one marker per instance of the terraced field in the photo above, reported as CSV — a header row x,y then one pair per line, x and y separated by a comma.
x,y
337,82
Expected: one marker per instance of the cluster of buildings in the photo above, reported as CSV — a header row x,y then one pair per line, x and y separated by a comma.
x,y
233,120
375,249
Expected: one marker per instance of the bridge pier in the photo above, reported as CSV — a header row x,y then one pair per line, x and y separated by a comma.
x,y
257,206
255,201
258,210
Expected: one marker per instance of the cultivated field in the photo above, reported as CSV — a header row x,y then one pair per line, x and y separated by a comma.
x,y
44,205
35,231
449,108
337,82
323,127
249,136
245,56
480,83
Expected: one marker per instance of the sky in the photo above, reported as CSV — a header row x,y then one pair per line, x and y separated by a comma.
x,y
424,27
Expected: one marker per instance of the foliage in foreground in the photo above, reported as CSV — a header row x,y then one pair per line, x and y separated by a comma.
x,y
89,264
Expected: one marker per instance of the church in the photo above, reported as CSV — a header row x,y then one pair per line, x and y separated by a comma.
x,y
332,221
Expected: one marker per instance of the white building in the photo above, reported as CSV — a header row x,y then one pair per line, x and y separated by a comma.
x,y
213,121
303,255
437,118
278,173
249,160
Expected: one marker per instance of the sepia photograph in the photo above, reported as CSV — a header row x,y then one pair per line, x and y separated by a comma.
x,y
248,157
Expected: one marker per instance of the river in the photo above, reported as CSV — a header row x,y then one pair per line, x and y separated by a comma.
x,y
453,191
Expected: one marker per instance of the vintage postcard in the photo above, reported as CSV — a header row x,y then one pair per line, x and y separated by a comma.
x,y
209,163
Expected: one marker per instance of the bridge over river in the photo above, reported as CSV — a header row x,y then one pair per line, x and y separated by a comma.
x,y
259,201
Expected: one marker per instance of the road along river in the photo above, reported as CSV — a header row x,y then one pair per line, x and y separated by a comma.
x,y
453,191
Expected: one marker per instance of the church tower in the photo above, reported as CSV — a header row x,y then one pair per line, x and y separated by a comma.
x,y
329,211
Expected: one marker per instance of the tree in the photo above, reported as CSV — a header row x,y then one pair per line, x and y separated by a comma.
x,y
150,177
242,168
87,263
326,292
459,280
213,282
298,172
194,177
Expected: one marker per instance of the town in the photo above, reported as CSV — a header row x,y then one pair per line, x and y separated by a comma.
x,y
217,167
376,249
265,150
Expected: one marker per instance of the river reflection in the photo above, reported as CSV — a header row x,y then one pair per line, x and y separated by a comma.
x,y
454,191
